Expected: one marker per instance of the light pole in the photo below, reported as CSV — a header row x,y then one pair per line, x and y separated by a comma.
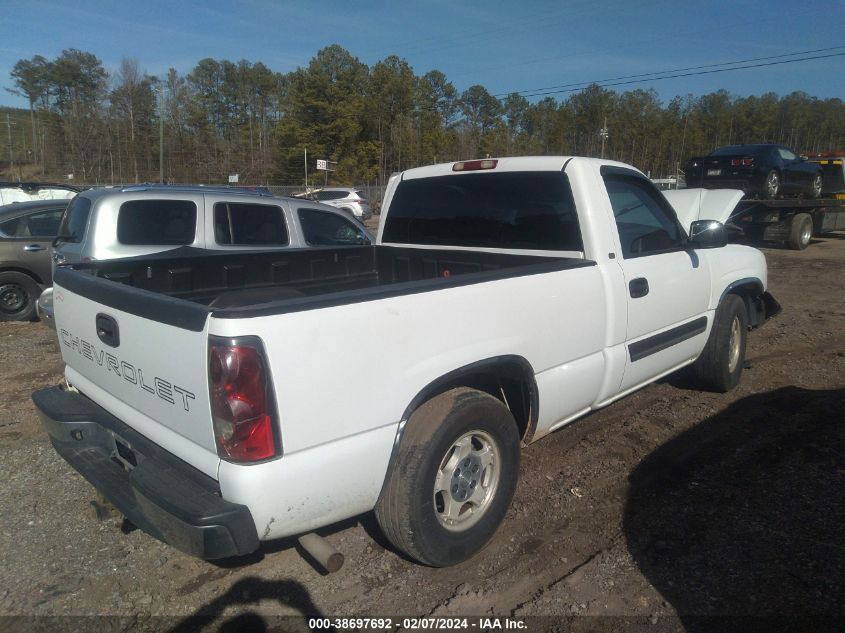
x,y
161,133
9,125
603,133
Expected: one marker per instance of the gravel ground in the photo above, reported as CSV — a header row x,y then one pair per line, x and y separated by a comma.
x,y
660,512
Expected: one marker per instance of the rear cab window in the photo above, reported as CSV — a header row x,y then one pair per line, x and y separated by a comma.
x,y
239,224
157,222
507,210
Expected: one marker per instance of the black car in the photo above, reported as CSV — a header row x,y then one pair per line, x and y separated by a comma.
x,y
764,170
26,232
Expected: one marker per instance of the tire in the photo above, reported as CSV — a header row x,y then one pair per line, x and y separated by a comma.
x,y
18,294
771,185
816,186
719,367
417,510
800,231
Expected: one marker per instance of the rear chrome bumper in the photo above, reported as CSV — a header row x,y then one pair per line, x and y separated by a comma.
x,y
158,492
44,308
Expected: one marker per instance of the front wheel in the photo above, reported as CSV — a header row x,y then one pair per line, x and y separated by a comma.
x,y
816,186
719,367
453,479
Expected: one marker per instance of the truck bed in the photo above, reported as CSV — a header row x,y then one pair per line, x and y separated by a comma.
x,y
185,286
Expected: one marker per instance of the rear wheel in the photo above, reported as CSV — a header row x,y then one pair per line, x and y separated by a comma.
x,y
800,231
771,185
453,479
719,367
18,294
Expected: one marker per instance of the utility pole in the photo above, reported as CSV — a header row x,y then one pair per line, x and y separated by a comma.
x,y
603,133
161,113
11,155
161,134
306,172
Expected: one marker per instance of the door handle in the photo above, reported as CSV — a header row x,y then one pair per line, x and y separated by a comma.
x,y
33,248
638,287
107,330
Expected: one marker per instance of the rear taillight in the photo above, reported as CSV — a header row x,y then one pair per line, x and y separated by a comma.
x,y
241,405
742,162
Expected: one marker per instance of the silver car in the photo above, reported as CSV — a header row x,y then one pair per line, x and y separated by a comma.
x,y
111,223
346,198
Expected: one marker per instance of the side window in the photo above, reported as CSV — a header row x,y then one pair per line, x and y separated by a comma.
x,y
157,222
645,223
326,229
75,219
41,224
240,224
330,195
785,154
10,227
45,223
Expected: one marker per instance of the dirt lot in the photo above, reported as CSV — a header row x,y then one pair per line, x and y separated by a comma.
x,y
661,510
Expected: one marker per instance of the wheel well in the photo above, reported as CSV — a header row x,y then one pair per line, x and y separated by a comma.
x,y
22,271
509,379
750,291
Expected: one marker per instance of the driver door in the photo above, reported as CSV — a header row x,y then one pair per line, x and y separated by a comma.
x,y
667,285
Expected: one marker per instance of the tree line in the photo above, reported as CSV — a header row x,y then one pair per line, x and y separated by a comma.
x,y
227,117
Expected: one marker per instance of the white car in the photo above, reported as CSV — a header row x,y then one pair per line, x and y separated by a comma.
x,y
346,198
216,400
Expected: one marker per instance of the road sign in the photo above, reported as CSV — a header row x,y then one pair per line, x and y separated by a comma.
x,y
321,164
233,178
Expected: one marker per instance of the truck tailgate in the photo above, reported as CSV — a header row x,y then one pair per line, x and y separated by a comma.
x,y
149,373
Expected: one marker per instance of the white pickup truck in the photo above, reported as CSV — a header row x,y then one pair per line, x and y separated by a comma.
x,y
220,400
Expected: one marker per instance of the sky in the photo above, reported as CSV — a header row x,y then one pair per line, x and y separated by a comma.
x,y
529,46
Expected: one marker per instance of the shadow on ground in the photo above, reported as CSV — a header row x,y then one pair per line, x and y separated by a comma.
x,y
217,614
745,514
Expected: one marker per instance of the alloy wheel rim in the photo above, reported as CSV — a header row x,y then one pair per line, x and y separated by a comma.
x,y
806,233
772,183
817,185
734,345
466,481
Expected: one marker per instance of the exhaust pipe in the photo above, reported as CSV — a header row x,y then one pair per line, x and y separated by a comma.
x,y
326,556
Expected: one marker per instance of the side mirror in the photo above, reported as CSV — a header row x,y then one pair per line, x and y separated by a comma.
x,y
707,234
363,240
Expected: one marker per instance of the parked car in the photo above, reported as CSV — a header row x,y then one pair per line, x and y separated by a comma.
x,y
26,232
765,170
110,223
16,191
225,399
346,198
